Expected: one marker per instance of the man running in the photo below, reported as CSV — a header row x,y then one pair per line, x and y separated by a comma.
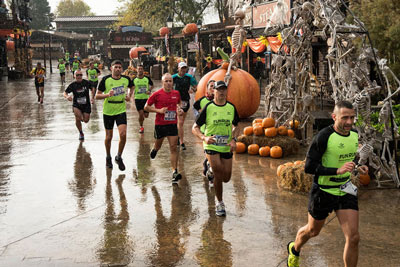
x,y
142,86
93,76
221,119
198,106
114,89
76,65
330,158
66,58
166,103
183,82
61,66
80,101
39,73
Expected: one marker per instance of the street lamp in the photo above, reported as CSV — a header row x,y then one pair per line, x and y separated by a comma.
x,y
199,23
170,22
170,25
91,41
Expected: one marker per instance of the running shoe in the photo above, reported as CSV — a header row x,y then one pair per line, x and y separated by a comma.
x,y
120,163
141,130
41,100
38,99
179,142
109,162
81,136
292,260
183,146
205,167
210,174
153,153
176,177
220,209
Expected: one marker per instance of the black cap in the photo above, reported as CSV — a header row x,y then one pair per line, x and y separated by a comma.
x,y
220,85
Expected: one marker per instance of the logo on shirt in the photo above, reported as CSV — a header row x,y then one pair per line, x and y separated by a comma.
x,y
341,146
214,113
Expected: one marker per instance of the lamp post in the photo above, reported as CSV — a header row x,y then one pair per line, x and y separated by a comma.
x,y
90,42
199,23
170,25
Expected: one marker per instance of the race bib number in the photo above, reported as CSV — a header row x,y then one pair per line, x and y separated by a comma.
x,y
119,90
81,100
142,89
170,115
92,76
221,140
349,188
184,104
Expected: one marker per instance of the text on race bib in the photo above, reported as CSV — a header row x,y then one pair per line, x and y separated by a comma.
x,y
170,115
142,89
119,90
349,188
221,140
81,100
184,104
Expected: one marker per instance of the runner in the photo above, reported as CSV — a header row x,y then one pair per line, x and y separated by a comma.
x,y
61,66
198,106
142,86
80,101
39,72
71,60
221,119
114,89
330,158
76,65
183,82
93,76
66,58
166,103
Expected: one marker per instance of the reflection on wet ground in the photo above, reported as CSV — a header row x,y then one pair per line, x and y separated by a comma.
x,y
60,206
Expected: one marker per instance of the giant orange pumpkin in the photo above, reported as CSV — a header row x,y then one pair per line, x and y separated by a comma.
x,y
276,152
164,31
240,147
190,28
248,130
365,179
258,130
134,52
268,122
264,151
243,90
253,149
282,130
271,132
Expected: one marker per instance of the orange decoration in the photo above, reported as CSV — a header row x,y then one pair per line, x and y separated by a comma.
x,y
271,132
258,120
276,152
134,52
225,65
282,130
280,169
253,149
10,45
268,122
296,124
248,130
290,133
190,28
243,90
163,31
258,130
240,147
365,179
264,151
298,162
257,124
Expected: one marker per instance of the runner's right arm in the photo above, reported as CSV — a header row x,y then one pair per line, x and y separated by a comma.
x,y
201,120
100,91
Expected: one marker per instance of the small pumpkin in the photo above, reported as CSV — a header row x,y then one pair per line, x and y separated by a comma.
x,y
257,124
271,132
276,152
282,130
240,147
291,133
264,151
253,149
268,122
296,124
134,52
258,120
248,130
258,130
365,179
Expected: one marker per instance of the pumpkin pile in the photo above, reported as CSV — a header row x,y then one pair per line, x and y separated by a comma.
x,y
131,72
268,140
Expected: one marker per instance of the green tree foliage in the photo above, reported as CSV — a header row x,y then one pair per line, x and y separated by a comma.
x,y
73,8
152,15
41,16
382,20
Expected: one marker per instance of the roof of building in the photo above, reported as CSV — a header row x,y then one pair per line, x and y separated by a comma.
x,y
87,18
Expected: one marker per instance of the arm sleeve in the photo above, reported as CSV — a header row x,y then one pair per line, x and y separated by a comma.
x,y
201,120
193,81
196,104
102,85
236,118
130,84
150,81
314,156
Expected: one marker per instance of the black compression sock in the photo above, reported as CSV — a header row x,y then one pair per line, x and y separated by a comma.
x,y
295,252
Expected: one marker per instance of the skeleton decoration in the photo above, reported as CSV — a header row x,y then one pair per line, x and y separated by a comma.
x,y
293,88
276,20
238,36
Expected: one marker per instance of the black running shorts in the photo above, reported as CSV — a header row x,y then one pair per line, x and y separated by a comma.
x,y
223,155
39,84
161,131
322,203
140,103
185,105
93,84
83,108
109,120
62,74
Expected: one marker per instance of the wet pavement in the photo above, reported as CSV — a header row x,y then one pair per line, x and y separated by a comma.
x,y
60,206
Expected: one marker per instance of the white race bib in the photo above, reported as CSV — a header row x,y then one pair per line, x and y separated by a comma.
x,y
81,100
349,188
221,140
142,89
170,115
119,90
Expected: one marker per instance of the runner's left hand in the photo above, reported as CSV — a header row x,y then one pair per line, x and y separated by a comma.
x,y
127,98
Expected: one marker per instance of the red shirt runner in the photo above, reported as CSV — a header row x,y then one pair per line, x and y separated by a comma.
x,y
161,99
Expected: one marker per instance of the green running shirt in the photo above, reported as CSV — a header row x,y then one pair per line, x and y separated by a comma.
x,y
115,105
328,152
92,75
218,121
199,105
142,87
61,67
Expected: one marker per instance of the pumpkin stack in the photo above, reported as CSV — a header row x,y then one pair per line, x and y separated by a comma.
x,y
264,139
